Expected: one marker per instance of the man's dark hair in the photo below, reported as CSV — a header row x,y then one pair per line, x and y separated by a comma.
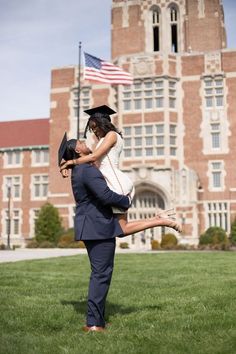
x,y
71,144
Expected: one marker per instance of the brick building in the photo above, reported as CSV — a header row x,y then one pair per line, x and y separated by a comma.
x,y
178,121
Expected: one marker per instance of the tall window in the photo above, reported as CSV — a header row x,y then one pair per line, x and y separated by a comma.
x,y
85,103
156,30
12,183
173,140
12,224
172,94
216,175
84,100
40,157
13,158
218,215
214,92
160,139
40,186
174,29
215,135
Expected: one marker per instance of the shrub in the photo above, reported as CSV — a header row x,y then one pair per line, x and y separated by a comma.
x,y
32,244
77,244
124,245
168,241
214,235
232,236
66,239
2,247
62,244
155,245
48,225
47,244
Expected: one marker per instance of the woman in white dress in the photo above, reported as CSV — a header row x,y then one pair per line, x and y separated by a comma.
x,y
106,157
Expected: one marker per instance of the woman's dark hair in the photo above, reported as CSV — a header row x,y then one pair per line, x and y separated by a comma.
x,y
103,121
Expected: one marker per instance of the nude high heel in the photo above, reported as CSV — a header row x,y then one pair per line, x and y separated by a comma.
x,y
167,214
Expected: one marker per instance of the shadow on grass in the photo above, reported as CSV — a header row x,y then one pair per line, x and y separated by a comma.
x,y
111,308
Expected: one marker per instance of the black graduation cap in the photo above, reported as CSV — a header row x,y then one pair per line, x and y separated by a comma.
x,y
100,109
66,150
98,112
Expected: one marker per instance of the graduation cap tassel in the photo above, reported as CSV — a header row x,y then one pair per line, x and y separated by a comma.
x,y
78,102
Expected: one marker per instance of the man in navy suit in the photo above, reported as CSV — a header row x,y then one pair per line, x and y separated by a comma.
x,y
97,227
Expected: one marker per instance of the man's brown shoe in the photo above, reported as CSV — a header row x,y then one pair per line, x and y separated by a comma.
x,y
93,329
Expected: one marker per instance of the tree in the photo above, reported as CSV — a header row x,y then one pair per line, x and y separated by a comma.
x,y
48,226
233,233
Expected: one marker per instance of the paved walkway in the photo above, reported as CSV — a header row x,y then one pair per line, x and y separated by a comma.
x,y
21,254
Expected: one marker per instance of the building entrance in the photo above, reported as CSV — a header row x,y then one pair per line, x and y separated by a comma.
x,y
145,205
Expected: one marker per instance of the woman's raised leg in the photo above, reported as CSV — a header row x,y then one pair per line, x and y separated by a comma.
x,y
132,227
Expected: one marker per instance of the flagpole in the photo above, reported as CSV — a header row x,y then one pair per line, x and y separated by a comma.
x,y
78,97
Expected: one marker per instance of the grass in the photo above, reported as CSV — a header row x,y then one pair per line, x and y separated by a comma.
x,y
165,303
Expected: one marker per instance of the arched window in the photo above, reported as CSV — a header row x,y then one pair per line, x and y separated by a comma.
x,y
174,29
156,30
144,206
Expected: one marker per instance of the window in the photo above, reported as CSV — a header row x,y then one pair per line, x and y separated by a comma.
x,y
147,94
214,92
216,175
85,103
40,186
85,94
160,139
144,206
215,136
172,94
159,94
13,158
148,140
218,215
174,29
12,224
173,140
156,30
12,185
40,157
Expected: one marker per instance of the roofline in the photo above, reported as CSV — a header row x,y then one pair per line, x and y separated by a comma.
x,y
23,120
21,148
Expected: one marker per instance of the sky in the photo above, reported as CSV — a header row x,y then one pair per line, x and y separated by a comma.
x,y
38,35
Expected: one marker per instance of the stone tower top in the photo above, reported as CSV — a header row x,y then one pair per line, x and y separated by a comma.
x,y
167,26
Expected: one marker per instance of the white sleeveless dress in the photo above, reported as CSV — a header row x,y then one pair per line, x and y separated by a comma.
x,y
117,180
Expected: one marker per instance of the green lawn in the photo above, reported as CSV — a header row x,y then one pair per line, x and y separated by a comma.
x,y
163,303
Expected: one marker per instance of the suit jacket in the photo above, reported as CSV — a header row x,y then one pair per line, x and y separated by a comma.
x,y
94,219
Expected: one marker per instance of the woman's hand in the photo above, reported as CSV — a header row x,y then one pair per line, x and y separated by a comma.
x,y
64,173
66,164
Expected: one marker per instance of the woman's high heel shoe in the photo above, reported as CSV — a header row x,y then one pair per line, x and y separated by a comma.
x,y
167,214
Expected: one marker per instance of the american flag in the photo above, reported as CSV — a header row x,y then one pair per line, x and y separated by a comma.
x,y
102,71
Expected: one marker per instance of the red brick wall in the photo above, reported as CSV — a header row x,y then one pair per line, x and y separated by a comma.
x,y
127,40
204,33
